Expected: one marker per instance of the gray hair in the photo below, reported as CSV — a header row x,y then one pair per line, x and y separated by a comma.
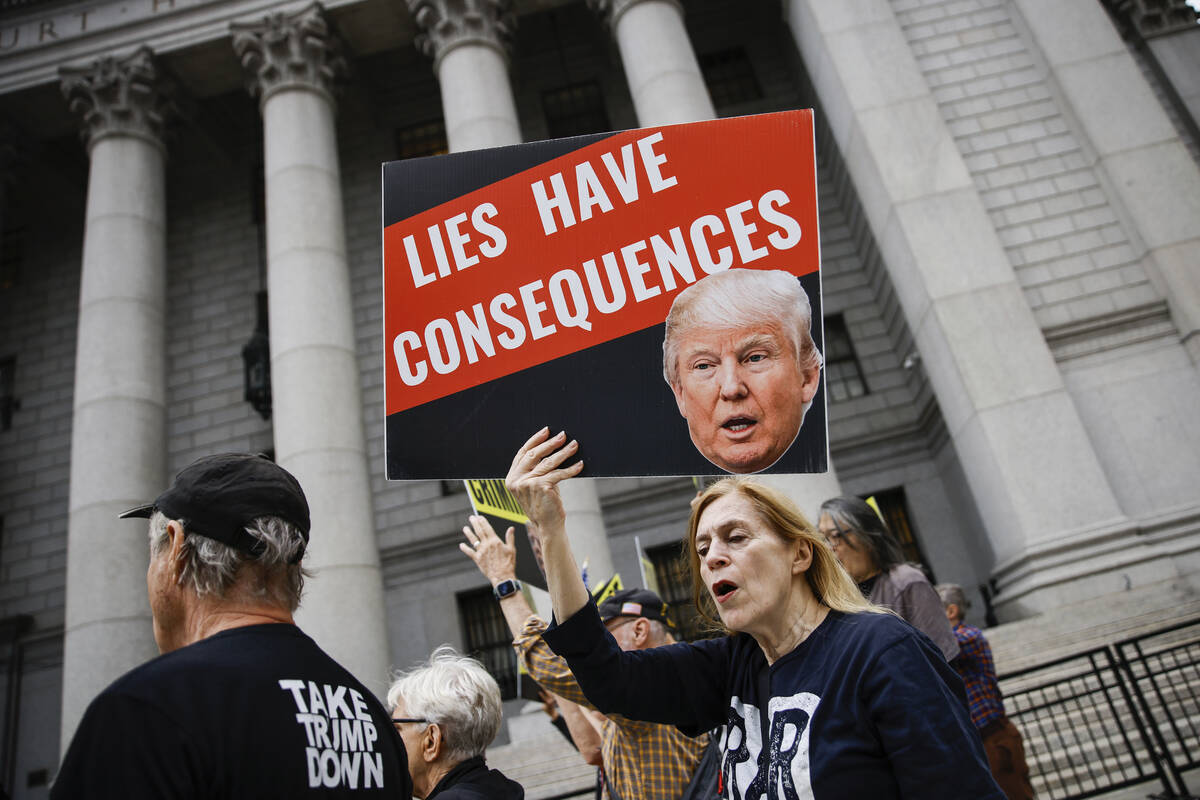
x,y
214,568
737,298
952,593
853,516
457,693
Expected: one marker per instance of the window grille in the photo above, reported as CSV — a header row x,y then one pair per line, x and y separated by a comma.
x,y
422,139
488,639
12,254
843,374
675,587
894,507
730,77
575,110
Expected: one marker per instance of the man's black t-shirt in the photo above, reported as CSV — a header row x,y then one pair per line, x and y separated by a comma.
x,y
252,712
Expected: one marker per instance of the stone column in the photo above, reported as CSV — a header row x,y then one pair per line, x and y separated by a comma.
x,y
118,449
1051,516
1148,166
807,491
468,41
660,65
293,61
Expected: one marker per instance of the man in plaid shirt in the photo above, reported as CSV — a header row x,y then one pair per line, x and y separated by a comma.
x,y
641,760
1001,739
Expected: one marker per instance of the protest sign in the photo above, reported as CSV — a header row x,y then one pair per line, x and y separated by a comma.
x,y
491,500
527,286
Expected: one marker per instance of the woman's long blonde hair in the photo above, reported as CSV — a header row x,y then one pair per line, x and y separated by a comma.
x,y
829,581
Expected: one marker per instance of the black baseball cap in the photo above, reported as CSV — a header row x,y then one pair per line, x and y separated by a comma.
x,y
218,496
635,603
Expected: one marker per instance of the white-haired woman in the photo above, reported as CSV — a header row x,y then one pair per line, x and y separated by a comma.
x,y
822,694
447,711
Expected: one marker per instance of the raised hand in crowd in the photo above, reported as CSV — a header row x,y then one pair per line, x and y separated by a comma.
x,y
496,558
533,479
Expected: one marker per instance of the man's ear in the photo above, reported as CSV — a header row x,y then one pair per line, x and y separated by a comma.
x,y
431,743
641,633
175,548
677,390
808,389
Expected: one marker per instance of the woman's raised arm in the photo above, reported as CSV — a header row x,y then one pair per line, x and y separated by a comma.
x,y
533,479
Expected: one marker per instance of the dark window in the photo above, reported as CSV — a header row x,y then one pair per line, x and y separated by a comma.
x,y
8,398
12,254
843,373
422,139
730,77
574,110
488,638
894,508
675,587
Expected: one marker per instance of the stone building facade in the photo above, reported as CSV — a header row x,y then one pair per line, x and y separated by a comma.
x,y
1009,192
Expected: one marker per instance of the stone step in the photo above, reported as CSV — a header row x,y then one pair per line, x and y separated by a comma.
x,y
1087,625
540,758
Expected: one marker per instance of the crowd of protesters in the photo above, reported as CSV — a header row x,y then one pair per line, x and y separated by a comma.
x,y
835,668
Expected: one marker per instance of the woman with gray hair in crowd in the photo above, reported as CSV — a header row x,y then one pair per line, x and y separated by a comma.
x,y
862,542
447,711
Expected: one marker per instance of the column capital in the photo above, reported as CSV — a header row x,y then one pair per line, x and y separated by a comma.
x,y
611,10
446,24
289,51
1151,18
120,96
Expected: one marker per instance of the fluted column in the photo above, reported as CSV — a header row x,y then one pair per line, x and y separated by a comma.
x,y
118,448
660,64
293,61
468,41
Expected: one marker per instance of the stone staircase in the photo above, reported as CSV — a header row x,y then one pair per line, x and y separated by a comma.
x,y
539,758
1094,623
1076,750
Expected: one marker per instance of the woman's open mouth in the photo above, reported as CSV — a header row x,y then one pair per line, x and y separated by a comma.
x,y
723,590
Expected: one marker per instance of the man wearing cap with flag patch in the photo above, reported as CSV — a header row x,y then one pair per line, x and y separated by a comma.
x,y
241,703
641,760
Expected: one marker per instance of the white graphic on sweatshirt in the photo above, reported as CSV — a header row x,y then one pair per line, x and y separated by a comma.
x,y
341,735
784,773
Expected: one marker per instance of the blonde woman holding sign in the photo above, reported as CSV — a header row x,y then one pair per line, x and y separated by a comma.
x,y
822,695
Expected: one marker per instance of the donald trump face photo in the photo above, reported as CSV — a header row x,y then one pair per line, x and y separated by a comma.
x,y
739,356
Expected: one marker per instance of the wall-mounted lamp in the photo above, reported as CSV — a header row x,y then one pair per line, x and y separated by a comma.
x,y
256,356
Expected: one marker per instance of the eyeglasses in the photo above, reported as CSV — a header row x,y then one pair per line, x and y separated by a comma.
x,y
835,537
402,720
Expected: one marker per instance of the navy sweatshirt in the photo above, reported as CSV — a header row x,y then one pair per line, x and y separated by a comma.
x,y
866,706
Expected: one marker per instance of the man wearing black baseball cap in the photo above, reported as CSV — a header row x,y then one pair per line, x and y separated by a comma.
x,y
241,703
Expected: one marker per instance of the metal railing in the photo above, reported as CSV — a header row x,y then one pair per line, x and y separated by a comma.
x,y
1111,717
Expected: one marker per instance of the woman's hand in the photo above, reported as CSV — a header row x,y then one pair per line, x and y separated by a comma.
x,y
533,479
534,475
496,559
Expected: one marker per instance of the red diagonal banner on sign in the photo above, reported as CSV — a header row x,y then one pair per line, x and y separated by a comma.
x,y
590,246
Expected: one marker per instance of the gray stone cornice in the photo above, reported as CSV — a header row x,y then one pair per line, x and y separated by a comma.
x,y
290,51
611,10
447,24
119,96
